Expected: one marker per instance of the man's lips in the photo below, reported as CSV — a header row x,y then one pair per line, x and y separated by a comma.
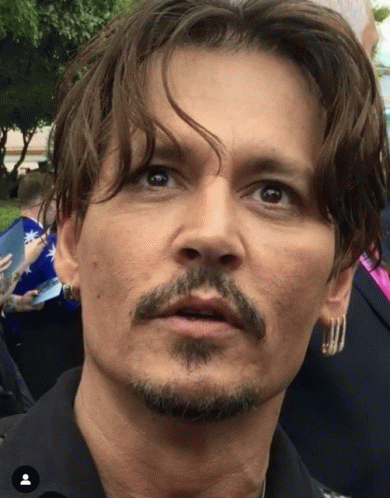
x,y
201,305
212,309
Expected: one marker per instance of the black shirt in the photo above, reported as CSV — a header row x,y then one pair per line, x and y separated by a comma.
x,y
48,439
14,394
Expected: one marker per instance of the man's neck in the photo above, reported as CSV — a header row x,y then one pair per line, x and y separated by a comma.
x,y
139,453
32,213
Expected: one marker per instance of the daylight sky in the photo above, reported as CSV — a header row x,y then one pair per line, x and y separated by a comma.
x,y
384,44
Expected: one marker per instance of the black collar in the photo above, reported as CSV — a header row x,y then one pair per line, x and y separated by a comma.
x,y
48,439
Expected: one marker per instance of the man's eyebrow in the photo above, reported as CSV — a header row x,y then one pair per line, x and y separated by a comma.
x,y
290,167
259,163
181,150
170,150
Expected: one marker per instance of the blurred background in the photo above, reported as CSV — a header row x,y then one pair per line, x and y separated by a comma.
x,y
382,56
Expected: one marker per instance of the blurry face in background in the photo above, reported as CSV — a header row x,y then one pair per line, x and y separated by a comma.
x,y
204,279
370,37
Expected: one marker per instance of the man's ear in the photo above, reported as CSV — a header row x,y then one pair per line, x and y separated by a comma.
x,y
65,261
339,294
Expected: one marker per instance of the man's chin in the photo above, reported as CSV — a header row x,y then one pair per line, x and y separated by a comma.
x,y
217,407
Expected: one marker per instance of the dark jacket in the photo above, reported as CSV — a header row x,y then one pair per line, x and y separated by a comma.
x,y
47,439
14,394
339,407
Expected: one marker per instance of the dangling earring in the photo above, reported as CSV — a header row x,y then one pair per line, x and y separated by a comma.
x,y
334,338
68,292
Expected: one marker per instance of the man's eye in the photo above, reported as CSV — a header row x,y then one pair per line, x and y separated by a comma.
x,y
272,193
156,177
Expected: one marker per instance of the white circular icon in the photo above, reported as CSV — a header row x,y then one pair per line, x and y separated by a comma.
x,y
25,481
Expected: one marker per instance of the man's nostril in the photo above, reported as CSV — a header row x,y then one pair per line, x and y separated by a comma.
x,y
227,259
191,253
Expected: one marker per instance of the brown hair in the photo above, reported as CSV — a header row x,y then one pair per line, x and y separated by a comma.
x,y
101,97
33,187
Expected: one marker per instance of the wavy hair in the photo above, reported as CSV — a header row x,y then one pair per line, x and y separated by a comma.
x,y
101,97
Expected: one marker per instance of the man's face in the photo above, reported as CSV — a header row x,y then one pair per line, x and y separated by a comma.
x,y
240,240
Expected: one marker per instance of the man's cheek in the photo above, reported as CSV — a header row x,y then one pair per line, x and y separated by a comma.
x,y
109,280
290,291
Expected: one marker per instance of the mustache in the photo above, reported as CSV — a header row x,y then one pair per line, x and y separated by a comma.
x,y
152,303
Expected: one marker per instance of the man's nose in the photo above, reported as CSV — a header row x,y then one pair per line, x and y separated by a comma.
x,y
209,232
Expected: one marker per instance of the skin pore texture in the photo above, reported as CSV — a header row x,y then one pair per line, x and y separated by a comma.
x,y
252,219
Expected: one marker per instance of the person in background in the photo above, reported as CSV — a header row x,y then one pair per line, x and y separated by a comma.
x,y
14,302
212,165
32,191
338,406
14,394
47,342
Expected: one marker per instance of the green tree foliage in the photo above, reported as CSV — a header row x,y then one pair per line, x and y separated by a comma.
x,y
380,13
37,37
18,18
121,5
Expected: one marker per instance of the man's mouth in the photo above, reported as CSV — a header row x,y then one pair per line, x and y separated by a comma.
x,y
193,314
214,309
209,304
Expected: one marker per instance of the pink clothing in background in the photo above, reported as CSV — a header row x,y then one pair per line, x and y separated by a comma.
x,y
380,275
